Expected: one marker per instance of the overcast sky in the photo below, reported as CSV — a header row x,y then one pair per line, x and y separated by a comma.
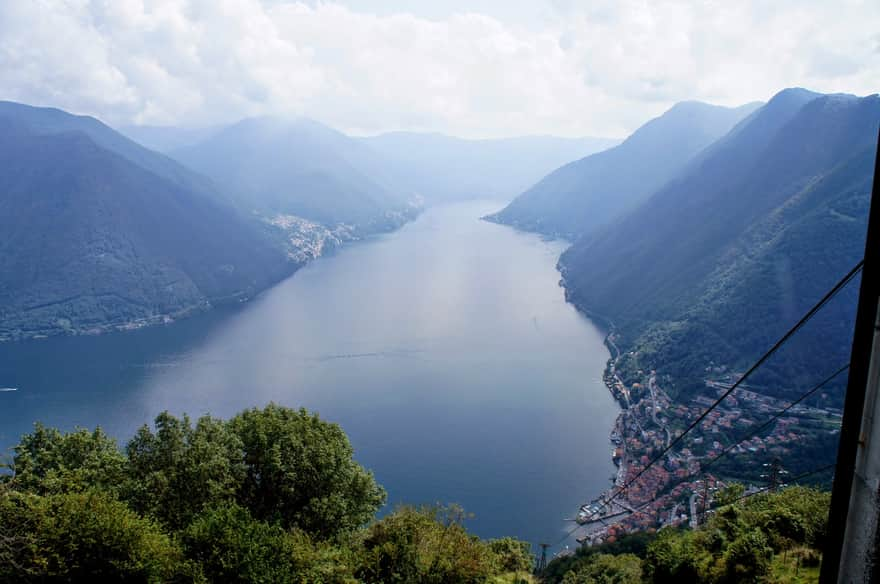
x,y
467,67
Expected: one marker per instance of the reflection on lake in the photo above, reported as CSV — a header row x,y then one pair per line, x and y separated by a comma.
x,y
446,351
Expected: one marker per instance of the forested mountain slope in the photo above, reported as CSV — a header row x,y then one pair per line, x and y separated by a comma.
x,y
586,194
98,233
721,261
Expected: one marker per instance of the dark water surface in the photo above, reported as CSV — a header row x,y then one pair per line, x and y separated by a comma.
x,y
446,351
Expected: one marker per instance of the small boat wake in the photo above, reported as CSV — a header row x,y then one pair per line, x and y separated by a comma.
x,y
5,389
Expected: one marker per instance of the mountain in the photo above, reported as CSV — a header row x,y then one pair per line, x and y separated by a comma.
x,y
97,232
722,260
584,195
446,168
302,168
166,139
51,121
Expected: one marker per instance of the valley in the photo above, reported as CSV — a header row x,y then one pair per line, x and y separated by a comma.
x,y
424,344
341,292
447,327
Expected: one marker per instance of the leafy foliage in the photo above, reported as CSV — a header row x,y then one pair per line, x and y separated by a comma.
x,y
512,554
747,541
300,472
47,461
607,569
272,495
431,545
77,537
634,544
179,470
229,545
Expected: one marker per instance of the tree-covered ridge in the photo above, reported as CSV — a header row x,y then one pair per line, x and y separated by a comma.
x,y
581,197
710,272
98,233
771,537
719,263
271,495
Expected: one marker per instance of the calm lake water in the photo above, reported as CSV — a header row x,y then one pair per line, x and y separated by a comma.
x,y
445,350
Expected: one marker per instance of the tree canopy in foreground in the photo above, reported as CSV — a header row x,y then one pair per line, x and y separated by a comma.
x,y
271,495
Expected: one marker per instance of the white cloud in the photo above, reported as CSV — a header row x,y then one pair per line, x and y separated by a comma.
x,y
557,67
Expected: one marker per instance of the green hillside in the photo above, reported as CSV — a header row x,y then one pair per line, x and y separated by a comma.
x,y
98,233
720,262
769,537
584,195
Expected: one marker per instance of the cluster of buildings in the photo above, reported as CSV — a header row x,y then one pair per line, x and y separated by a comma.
x,y
672,491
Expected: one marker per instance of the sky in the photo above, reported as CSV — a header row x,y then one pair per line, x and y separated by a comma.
x,y
475,68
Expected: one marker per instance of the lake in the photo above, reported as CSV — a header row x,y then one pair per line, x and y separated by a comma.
x,y
445,350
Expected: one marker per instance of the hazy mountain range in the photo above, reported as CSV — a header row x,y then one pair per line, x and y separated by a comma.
x,y
446,168
587,193
98,232
698,236
436,167
298,168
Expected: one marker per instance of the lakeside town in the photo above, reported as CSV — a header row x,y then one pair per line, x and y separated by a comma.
x,y
678,490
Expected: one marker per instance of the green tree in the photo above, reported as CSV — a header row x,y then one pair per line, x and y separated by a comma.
x,y
795,514
83,537
634,543
47,461
747,558
231,546
180,470
607,569
672,558
729,494
424,545
512,555
300,472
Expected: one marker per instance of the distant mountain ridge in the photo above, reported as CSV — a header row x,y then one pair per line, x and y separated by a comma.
x,y
52,121
585,195
438,167
98,233
719,262
446,168
166,139
101,233
301,168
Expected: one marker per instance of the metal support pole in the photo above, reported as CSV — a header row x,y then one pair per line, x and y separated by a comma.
x,y
852,523
858,562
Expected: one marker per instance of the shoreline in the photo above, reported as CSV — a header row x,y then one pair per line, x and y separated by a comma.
x,y
676,490
325,244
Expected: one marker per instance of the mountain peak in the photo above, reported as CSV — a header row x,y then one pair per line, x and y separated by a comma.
x,y
792,96
689,105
